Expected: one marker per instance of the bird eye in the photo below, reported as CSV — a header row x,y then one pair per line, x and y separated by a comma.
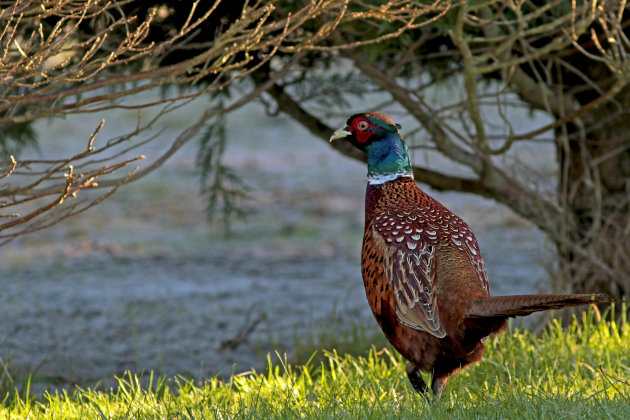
x,y
363,125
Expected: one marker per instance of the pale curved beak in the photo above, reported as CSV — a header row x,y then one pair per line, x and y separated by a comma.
x,y
340,134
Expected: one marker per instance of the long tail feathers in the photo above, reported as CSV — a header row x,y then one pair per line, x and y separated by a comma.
x,y
521,305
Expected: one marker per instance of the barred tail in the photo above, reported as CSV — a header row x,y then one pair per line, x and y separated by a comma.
x,y
521,305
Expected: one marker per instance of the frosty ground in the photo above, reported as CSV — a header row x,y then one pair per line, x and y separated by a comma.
x,y
143,282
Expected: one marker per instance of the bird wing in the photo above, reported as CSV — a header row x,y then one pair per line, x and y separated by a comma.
x,y
409,262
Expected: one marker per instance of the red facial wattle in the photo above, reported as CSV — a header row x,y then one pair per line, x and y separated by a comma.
x,y
362,135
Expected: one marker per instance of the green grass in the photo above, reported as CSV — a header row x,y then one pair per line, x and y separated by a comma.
x,y
578,372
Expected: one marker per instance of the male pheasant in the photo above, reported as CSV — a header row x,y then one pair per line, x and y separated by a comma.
x,y
423,272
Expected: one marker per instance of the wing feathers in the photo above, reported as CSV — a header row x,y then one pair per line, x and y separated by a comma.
x,y
413,284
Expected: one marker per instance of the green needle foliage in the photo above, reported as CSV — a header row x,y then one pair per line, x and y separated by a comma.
x,y
578,372
224,189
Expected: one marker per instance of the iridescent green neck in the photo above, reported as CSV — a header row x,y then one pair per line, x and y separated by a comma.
x,y
388,159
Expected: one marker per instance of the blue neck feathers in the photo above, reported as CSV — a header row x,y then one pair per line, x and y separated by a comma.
x,y
388,159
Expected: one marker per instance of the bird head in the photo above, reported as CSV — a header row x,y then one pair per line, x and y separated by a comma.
x,y
363,129
379,137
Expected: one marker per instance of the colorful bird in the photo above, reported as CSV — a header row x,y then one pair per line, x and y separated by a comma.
x,y
423,272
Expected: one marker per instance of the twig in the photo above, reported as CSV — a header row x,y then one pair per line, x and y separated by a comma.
x,y
243,334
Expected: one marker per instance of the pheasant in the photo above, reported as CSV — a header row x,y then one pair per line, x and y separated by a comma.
x,y
423,272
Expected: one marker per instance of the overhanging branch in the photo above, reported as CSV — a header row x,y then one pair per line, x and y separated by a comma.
x,y
438,135
315,126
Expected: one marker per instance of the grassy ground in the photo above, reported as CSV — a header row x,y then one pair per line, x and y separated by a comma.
x,y
582,371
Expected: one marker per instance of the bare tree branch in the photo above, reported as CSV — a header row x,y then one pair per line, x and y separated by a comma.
x,y
315,126
51,65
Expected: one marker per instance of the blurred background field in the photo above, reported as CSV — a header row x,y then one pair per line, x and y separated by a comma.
x,y
144,282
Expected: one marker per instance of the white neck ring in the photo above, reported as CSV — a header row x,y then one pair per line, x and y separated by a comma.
x,y
383,178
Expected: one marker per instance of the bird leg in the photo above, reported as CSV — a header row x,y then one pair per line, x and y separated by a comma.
x,y
415,377
437,386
